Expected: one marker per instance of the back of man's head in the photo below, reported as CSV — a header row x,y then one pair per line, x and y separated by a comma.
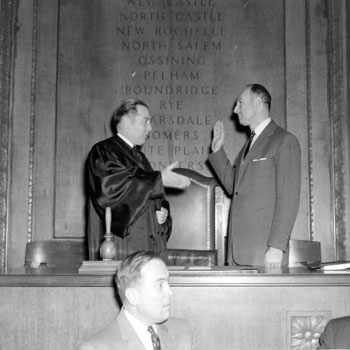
x,y
261,91
129,271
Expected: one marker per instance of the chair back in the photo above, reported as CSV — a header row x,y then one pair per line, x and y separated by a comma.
x,y
197,215
193,213
55,253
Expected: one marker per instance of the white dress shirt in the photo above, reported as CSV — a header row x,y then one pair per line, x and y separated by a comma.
x,y
259,129
141,331
126,140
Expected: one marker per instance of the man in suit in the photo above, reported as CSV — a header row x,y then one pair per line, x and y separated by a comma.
x,y
119,176
264,183
143,323
336,335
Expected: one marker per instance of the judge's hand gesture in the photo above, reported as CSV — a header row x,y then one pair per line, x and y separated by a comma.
x,y
219,136
172,179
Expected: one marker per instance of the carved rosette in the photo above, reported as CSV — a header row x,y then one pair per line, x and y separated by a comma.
x,y
306,329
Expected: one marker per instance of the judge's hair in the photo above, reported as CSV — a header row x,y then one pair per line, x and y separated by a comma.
x,y
127,106
129,271
262,92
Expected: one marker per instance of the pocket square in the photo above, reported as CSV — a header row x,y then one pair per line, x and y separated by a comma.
x,y
259,159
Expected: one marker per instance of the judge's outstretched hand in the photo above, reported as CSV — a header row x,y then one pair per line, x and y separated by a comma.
x,y
172,179
219,136
273,257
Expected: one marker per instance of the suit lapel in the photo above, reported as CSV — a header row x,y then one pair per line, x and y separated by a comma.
x,y
165,339
130,337
261,140
133,342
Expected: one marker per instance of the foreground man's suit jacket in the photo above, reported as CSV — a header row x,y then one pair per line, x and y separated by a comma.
x,y
265,191
174,334
121,178
336,334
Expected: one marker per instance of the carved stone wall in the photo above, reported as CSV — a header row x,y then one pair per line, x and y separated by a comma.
x,y
29,217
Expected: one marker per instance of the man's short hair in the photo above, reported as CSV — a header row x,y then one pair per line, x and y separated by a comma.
x,y
127,106
262,92
129,271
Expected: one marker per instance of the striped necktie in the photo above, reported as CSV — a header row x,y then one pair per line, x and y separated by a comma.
x,y
155,338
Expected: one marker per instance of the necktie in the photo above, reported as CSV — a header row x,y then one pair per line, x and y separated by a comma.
x,y
137,154
141,159
248,144
155,338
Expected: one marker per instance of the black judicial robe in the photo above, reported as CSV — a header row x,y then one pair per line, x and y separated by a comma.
x,y
121,177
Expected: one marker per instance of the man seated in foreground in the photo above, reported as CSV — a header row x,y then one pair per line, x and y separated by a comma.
x,y
336,335
143,322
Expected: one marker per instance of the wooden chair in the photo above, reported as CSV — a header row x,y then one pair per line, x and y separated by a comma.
x,y
303,251
55,253
197,236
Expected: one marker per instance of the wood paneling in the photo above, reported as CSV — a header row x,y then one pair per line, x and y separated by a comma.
x,y
53,318
230,312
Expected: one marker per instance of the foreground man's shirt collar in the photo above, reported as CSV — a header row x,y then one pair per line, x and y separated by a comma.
x,y
141,330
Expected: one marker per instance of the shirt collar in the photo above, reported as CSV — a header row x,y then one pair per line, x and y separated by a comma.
x,y
141,329
260,128
125,140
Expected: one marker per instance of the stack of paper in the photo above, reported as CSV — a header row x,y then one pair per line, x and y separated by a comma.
x,y
330,265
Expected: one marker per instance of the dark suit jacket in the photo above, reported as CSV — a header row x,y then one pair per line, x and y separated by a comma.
x,y
123,179
174,334
336,334
265,193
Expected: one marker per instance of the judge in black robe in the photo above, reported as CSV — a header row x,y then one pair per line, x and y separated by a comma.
x,y
119,176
